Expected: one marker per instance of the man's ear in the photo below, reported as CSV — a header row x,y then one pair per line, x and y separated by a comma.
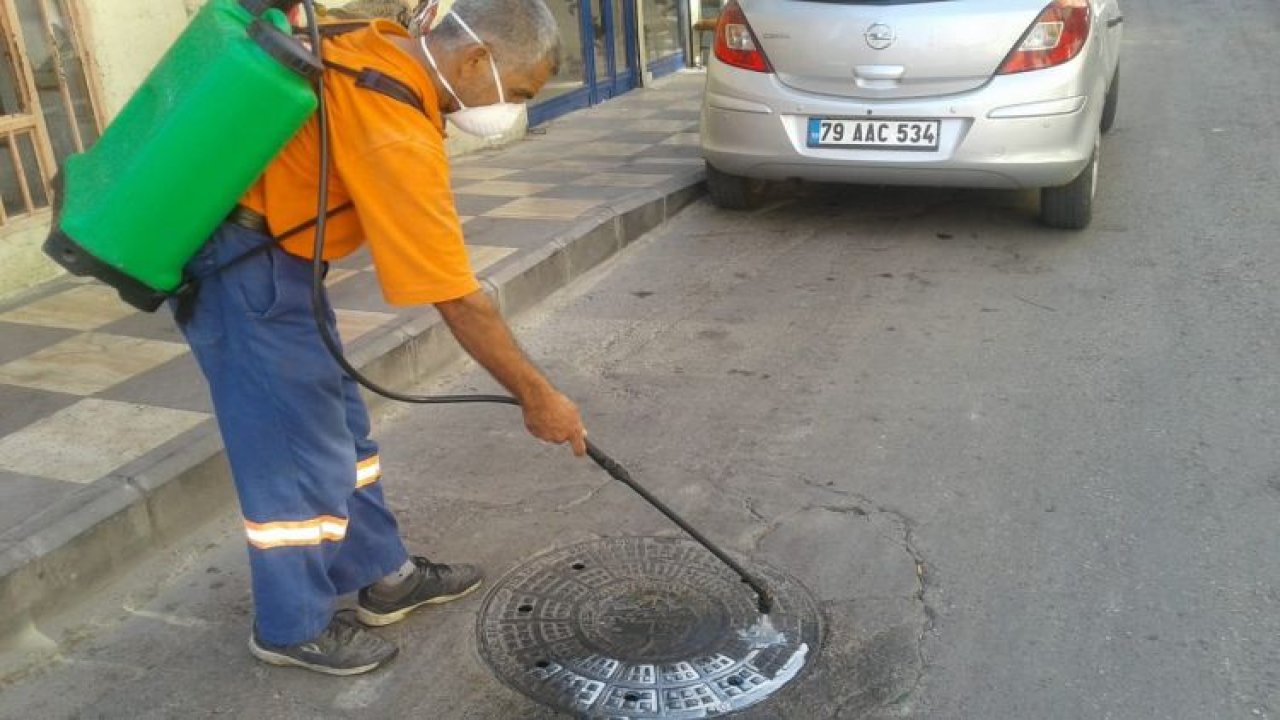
x,y
474,59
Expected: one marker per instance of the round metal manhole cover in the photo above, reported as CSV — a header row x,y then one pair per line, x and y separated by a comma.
x,y
644,628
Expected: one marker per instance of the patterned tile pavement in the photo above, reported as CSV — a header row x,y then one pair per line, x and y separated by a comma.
x,y
87,386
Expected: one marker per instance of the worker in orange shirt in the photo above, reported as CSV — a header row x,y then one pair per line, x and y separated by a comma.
x,y
294,425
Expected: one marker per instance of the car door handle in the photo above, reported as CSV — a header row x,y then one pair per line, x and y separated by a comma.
x,y
1115,21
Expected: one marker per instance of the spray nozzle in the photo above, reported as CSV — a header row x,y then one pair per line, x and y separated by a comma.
x,y
764,603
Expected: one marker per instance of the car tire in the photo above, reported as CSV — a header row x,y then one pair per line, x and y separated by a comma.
x,y
733,192
1070,207
1112,103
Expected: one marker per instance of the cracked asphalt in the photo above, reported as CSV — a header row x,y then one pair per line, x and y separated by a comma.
x,y
1027,474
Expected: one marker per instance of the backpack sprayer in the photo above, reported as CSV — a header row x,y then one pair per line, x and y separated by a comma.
x,y
136,207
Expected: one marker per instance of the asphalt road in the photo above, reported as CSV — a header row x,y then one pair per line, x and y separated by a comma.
x,y
1028,474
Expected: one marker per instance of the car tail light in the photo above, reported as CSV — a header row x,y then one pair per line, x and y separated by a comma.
x,y
736,44
1054,38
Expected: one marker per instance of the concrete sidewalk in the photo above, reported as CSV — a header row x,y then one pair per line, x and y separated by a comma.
x,y
107,442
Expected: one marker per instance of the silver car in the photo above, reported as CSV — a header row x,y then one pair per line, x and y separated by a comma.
x,y
952,93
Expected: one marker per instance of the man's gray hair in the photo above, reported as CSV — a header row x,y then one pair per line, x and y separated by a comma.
x,y
521,33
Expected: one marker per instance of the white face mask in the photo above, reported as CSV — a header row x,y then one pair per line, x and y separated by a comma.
x,y
489,121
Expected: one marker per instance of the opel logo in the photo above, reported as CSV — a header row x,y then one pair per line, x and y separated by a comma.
x,y
879,36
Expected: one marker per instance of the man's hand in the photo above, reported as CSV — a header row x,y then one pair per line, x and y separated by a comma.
x,y
553,418
548,414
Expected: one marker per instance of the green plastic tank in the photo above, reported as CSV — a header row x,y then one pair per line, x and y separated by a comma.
x,y
220,105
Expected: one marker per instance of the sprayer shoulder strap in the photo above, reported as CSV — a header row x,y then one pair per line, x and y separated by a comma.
x,y
273,240
369,78
303,227
186,294
380,82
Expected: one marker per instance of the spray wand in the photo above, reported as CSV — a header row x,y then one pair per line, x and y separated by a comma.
x,y
763,596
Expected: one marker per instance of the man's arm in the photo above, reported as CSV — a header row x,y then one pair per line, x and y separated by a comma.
x,y
482,332
401,191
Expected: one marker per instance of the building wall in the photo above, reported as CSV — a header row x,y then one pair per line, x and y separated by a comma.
x,y
126,39
22,265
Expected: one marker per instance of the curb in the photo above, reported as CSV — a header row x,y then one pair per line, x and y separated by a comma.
x,y
160,498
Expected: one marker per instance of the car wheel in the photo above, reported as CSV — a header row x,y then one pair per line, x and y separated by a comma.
x,y
733,192
1112,103
1070,207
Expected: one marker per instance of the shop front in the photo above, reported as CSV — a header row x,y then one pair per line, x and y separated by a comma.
x,y
603,43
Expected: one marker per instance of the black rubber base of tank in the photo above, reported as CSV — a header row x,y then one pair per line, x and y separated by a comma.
x,y
81,263
644,628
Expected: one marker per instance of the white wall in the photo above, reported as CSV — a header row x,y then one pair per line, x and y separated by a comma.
x,y
22,265
128,38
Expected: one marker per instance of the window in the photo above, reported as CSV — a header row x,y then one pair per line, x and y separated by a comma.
x,y
573,71
47,111
662,26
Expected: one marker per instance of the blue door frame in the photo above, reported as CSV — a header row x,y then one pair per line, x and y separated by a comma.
x,y
620,74
617,76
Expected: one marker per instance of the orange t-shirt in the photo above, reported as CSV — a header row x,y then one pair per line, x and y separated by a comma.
x,y
389,161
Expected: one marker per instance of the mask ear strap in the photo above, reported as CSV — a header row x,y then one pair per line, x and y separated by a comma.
x,y
443,80
497,80
424,16
493,64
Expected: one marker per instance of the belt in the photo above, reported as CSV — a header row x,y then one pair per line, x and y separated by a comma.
x,y
241,216
249,219
256,221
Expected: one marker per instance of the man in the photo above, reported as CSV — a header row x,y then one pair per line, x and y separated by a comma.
x,y
295,428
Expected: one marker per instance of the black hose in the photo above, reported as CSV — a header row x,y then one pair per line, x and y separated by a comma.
x,y
319,309
318,304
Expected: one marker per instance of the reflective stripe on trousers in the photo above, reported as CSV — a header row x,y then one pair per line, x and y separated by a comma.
x,y
294,427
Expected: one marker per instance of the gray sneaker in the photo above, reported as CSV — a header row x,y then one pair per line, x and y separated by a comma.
x,y
344,648
430,584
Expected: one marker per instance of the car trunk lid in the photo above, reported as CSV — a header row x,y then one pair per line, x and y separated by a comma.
x,y
888,49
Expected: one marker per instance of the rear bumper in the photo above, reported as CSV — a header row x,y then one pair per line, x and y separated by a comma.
x,y
1023,131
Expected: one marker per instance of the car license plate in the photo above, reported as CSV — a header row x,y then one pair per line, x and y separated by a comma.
x,y
874,134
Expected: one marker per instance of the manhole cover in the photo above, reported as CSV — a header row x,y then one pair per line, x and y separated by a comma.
x,y
644,628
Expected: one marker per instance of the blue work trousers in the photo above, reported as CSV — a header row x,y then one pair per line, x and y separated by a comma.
x,y
297,435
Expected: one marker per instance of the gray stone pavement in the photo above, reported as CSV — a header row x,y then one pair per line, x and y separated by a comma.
x,y
107,443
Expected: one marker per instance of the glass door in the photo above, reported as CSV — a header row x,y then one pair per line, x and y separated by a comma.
x,y
599,58
571,79
665,33
615,47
